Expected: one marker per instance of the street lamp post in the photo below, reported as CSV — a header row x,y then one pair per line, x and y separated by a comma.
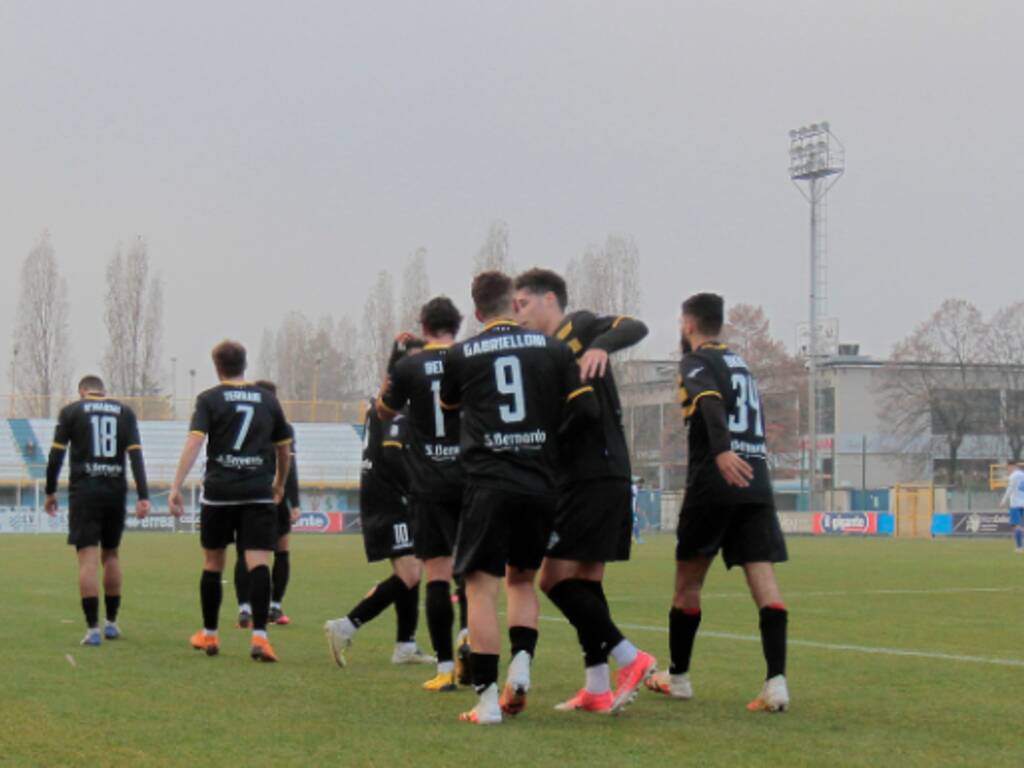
x,y
816,161
316,386
191,384
174,387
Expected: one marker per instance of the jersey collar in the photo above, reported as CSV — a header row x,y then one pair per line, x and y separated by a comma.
x,y
235,383
500,321
712,345
433,346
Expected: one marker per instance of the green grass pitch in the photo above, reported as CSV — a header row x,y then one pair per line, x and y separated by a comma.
x,y
148,699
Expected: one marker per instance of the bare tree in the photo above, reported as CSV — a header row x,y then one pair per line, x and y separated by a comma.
x,y
41,330
134,320
605,278
493,254
928,389
415,290
378,330
1005,348
267,359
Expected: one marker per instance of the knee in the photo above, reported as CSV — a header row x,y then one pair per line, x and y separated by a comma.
x,y
687,599
548,581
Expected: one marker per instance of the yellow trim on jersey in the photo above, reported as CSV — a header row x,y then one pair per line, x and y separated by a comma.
x,y
688,410
450,407
619,319
564,331
94,396
197,433
135,447
577,392
434,345
712,345
391,444
575,345
501,321
59,446
286,441
235,383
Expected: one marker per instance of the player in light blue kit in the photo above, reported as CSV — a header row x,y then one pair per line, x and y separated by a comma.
x,y
1014,499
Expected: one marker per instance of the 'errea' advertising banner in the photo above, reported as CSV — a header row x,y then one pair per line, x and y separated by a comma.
x,y
839,523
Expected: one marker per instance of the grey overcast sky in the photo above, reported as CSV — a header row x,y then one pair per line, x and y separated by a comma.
x,y
275,155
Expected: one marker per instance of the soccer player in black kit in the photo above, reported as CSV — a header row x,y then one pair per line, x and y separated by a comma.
x,y
288,512
248,458
387,532
517,390
435,475
100,433
593,524
728,504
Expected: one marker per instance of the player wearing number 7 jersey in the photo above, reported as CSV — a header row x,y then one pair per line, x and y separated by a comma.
x,y
518,391
728,504
248,458
100,432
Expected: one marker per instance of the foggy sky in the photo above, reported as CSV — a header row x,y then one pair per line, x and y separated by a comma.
x,y
276,155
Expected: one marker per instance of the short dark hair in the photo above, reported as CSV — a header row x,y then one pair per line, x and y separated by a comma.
x,y
708,309
229,358
540,281
92,383
492,293
440,315
266,384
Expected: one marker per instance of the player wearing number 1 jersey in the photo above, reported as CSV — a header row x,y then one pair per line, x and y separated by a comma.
x,y
435,476
248,457
100,433
517,390
728,504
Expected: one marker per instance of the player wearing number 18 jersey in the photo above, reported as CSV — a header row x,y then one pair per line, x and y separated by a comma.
x,y
728,504
100,433
517,391
248,457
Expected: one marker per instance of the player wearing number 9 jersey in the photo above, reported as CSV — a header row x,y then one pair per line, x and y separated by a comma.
x,y
728,504
517,391
100,433
248,458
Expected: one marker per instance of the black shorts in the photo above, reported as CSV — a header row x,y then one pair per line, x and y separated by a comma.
x,y
746,533
96,523
252,526
387,532
284,519
435,523
593,522
500,528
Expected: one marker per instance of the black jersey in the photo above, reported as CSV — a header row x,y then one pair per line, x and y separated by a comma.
x,y
600,450
714,371
434,468
99,432
385,474
513,387
242,425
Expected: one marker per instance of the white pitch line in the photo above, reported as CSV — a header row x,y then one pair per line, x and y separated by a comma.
x,y
850,593
831,646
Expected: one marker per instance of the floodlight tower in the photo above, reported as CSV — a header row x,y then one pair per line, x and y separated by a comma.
x,y
816,161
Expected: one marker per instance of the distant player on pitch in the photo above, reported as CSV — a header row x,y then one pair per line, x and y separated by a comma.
x,y
100,433
728,504
248,457
1014,499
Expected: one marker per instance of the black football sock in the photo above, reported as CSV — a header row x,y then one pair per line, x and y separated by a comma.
x,y
460,591
597,588
259,591
440,617
241,579
91,609
383,595
485,670
210,595
682,630
279,576
407,611
577,603
113,604
523,639
774,619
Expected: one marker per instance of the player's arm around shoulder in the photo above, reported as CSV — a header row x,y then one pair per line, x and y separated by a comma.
x,y
607,334
581,404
